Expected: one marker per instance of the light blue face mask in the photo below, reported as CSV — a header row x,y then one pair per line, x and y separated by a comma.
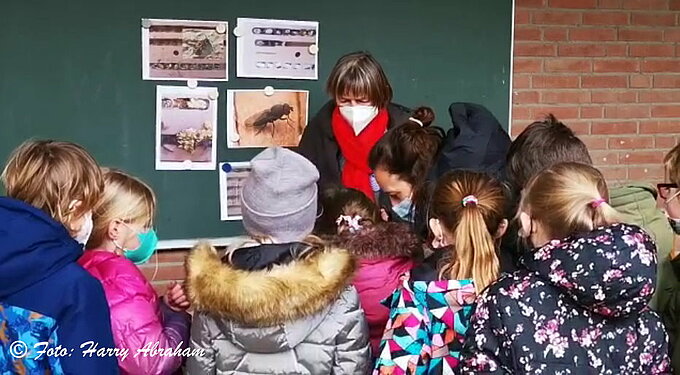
x,y
404,210
147,246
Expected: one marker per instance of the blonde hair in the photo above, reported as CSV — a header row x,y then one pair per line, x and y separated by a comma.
x,y
125,198
359,74
569,198
50,175
473,225
672,164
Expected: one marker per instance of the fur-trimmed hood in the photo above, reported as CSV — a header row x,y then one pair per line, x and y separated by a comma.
x,y
264,298
386,240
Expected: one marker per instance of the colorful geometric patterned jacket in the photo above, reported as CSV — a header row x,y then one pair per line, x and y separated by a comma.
x,y
426,328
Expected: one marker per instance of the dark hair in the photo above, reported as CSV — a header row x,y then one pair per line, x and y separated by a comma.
x,y
408,150
337,201
541,145
359,74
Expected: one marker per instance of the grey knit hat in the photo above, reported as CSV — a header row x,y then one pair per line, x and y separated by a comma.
x,y
279,196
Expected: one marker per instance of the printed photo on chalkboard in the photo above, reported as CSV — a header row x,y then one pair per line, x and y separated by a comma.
x,y
277,48
185,128
184,50
231,184
255,119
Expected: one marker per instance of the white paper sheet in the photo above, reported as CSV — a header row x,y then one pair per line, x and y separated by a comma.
x,y
231,184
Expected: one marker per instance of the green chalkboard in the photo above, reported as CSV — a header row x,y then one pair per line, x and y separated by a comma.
x,y
71,70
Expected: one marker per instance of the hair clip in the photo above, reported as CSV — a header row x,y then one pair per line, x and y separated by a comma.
x,y
597,202
470,199
416,121
352,222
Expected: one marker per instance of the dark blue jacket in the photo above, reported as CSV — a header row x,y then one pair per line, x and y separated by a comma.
x,y
46,297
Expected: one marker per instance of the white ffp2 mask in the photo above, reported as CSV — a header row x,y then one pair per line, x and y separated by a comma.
x,y
359,116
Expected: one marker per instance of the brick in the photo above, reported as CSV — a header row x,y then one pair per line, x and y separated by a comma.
x,y
592,34
617,50
610,96
594,142
604,82
522,17
165,273
559,112
527,33
671,35
666,81
555,18
549,82
520,65
613,173
645,4
534,49
606,18
614,127
169,256
665,142
653,19
579,128
605,157
521,81
616,66
660,96
627,111
530,3
638,35
592,112
640,81
581,50
619,143
568,66
648,50
519,113
653,173
573,4
518,127
677,49
610,4
666,111
555,34
642,157
675,5
525,97
661,66
562,97
660,127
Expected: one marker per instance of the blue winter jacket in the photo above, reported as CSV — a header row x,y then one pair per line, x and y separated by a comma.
x,y
47,301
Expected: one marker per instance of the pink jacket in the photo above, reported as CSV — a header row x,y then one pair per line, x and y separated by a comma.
x,y
385,252
138,317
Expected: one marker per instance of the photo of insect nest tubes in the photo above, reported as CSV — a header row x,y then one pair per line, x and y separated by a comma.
x,y
255,119
186,125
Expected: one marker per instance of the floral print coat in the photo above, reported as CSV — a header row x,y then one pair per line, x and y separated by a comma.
x,y
577,306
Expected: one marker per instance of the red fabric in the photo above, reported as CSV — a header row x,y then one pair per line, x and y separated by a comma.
x,y
136,315
375,281
356,148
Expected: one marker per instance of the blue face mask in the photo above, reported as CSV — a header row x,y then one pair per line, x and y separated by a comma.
x,y
147,245
404,210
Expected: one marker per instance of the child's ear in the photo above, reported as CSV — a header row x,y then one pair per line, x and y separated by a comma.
x,y
114,229
502,228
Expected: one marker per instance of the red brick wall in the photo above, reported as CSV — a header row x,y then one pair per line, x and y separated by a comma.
x,y
610,69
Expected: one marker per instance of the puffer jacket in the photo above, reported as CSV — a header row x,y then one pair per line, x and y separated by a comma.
x,y
139,320
577,306
267,310
385,252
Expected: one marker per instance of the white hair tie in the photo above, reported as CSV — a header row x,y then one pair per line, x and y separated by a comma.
x,y
416,121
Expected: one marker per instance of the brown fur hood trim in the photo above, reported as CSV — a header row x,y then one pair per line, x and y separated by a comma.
x,y
267,297
385,240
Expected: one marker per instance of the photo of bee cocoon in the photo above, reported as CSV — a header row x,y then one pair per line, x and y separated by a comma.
x,y
195,51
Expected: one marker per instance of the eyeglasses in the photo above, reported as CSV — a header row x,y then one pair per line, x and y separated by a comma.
x,y
665,191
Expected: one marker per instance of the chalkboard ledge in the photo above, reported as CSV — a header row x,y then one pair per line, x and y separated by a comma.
x,y
189,243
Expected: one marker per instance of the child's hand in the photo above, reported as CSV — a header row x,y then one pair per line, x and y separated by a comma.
x,y
176,297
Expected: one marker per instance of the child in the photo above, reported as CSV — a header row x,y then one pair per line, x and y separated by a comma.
x,y
122,231
430,313
45,296
385,251
340,136
285,305
580,299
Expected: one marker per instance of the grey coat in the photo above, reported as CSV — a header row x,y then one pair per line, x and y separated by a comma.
x,y
297,318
